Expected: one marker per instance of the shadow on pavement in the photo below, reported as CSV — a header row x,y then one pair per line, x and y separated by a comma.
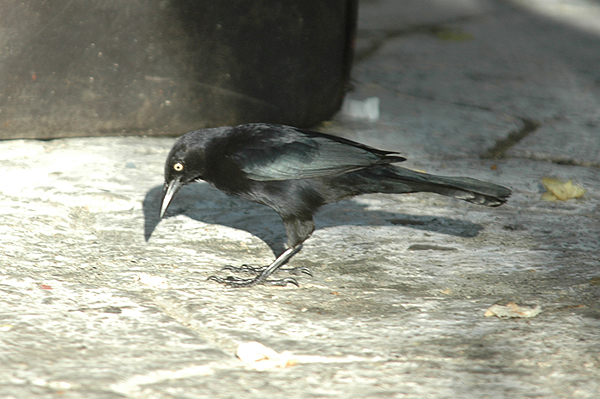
x,y
203,203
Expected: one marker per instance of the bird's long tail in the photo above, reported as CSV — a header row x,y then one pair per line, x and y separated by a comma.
x,y
401,180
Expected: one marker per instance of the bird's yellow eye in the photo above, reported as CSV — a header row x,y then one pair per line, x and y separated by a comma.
x,y
178,167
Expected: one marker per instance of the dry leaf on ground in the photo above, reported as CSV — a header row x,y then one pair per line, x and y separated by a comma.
x,y
259,357
511,310
560,190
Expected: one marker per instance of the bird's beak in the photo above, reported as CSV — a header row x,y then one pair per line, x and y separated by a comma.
x,y
169,192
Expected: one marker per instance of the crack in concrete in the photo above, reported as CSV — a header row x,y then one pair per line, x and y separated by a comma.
x,y
499,150
559,160
378,37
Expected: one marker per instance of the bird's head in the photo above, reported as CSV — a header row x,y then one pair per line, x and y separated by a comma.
x,y
184,165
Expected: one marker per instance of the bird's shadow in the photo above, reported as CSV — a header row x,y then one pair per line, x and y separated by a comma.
x,y
206,204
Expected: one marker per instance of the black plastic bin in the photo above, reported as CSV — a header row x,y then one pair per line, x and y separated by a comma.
x,y
95,67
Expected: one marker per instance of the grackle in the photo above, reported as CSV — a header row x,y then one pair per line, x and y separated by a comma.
x,y
296,171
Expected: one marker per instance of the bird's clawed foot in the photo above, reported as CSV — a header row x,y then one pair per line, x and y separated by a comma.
x,y
237,282
294,271
263,272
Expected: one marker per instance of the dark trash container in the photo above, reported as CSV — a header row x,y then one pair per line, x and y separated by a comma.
x,y
95,67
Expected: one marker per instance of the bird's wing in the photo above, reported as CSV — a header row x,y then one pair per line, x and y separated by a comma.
x,y
288,153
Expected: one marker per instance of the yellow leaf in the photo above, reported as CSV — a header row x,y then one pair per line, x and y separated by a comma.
x,y
549,197
557,189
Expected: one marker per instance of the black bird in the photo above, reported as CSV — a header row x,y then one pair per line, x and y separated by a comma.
x,y
296,171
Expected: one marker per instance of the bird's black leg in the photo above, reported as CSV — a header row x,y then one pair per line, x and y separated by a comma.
x,y
296,271
264,273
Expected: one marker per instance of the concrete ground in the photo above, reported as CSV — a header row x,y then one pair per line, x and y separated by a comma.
x,y
99,300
